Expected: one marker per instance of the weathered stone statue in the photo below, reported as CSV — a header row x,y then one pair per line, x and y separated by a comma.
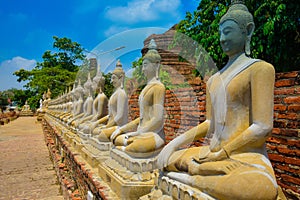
x,y
118,108
88,103
239,118
70,105
149,135
26,111
98,145
26,107
78,103
130,169
47,98
99,105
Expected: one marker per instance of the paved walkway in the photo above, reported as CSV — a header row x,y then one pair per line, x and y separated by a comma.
x,y
26,171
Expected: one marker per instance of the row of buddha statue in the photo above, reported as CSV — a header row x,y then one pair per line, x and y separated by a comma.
x,y
239,117
107,120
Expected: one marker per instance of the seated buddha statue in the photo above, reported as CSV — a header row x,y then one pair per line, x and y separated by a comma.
x,y
239,118
117,108
99,105
78,103
88,103
71,97
149,135
26,107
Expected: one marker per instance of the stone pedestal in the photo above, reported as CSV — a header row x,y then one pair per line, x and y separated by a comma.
x,y
25,113
95,151
40,116
128,177
172,189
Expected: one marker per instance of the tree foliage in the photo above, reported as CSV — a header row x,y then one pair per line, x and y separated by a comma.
x,y
276,38
57,71
17,97
108,86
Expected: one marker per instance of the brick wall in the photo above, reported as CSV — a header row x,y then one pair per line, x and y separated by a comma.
x,y
284,143
75,177
185,108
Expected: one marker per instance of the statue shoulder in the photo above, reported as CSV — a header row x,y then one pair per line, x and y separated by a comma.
x,y
262,66
102,96
160,86
122,93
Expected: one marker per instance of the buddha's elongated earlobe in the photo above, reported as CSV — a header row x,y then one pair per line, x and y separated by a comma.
x,y
157,71
250,29
122,82
247,46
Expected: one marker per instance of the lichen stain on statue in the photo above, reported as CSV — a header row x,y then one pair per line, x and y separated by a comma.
x,y
239,103
149,138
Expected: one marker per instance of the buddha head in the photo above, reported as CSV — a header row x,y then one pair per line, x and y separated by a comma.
x,y
151,61
88,86
118,75
236,29
98,81
79,91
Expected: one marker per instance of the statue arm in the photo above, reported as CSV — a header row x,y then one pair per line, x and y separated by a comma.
x,y
130,126
124,129
102,120
191,135
78,108
101,107
84,107
262,95
89,108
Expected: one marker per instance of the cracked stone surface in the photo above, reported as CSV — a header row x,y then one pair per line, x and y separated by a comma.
x,y
26,170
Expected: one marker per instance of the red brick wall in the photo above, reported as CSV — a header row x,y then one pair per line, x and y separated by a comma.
x,y
75,177
284,143
185,108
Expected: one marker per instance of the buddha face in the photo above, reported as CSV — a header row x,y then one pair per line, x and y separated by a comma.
x,y
148,69
232,38
115,80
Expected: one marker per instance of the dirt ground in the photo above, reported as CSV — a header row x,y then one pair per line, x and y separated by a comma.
x,y
26,171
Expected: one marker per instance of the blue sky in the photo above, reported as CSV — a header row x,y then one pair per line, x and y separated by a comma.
x,y
27,28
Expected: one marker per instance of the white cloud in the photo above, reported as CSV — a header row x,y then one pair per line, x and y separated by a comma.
x,y
143,10
18,63
8,67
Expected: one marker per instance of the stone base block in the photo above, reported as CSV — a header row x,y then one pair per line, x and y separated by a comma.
x,y
76,143
167,188
134,164
120,180
95,152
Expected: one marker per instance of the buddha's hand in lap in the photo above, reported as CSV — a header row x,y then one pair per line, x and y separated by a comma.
x,y
210,156
164,155
115,134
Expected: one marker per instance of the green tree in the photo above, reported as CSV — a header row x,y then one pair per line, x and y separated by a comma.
x,y
57,71
276,38
108,87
